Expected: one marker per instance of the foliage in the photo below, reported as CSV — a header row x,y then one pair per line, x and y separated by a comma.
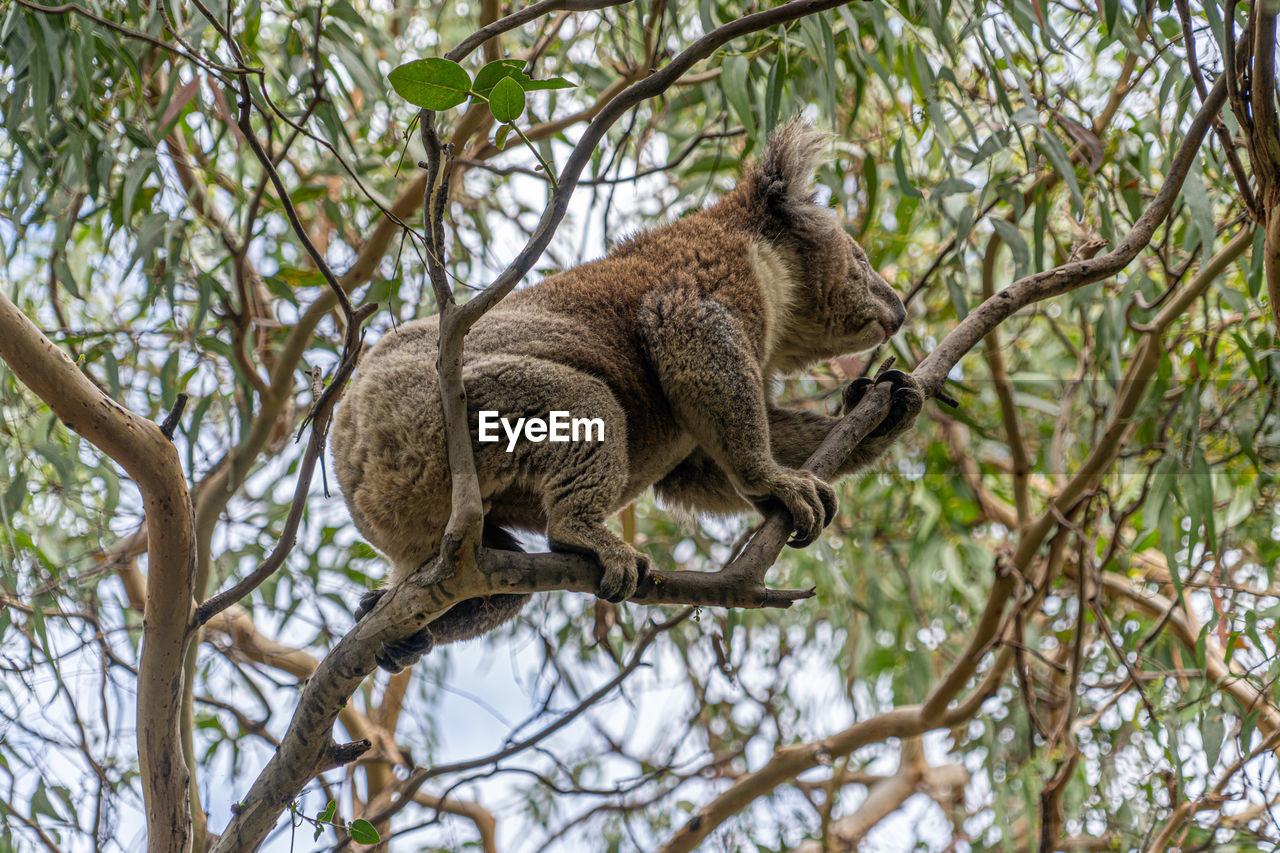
x,y
1135,673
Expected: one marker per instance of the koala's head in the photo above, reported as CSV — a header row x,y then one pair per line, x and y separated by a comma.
x,y
841,305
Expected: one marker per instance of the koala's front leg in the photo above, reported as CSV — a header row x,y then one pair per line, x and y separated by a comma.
x,y
700,485
710,376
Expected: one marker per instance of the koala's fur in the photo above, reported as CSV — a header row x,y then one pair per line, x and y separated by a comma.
x,y
671,339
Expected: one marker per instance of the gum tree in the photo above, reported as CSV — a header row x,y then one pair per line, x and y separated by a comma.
x,y
1047,623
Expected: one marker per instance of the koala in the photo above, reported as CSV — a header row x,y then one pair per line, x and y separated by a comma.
x,y
670,341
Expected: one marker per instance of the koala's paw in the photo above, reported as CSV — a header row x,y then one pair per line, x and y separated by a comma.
x,y
624,568
627,580
367,602
400,654
809,500
396,656
622,574
904,405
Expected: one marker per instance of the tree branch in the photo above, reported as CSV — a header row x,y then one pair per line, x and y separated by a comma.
x,y
141,448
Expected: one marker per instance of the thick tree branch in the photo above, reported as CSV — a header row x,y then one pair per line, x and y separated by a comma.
x,y
520,18
139,446
1262,135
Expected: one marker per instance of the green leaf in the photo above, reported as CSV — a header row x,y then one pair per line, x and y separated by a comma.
x,y
1211,733
362,832
513,69
1052,148
900,167
773,92
41,804
1193,190
15,494
1010,234
433,84
964,223
950,186
549,83
507,100
323,818
1247,727
734,81
494,72
59,461
871,181
134,175
958,299
1200,495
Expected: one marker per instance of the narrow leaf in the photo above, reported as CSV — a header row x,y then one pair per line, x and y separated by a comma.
x,y
734,81
900,167
1017,244
549,83
1052,148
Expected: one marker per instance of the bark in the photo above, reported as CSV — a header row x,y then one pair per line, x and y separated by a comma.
x,y
150,459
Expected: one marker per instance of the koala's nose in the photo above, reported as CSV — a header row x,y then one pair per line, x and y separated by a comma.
x,y
897,311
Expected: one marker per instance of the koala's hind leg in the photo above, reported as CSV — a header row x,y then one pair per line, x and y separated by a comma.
x,y
580,481
465,620
582,485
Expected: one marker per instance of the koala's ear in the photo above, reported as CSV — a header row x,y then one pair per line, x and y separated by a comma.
x,y
783,181
793,155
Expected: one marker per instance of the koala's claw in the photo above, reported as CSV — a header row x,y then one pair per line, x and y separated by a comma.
x,y
644,568
807,537
396,656
367,602
613,591
854,392
400,654
829,503
904,405
622,574
617,587
807,498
